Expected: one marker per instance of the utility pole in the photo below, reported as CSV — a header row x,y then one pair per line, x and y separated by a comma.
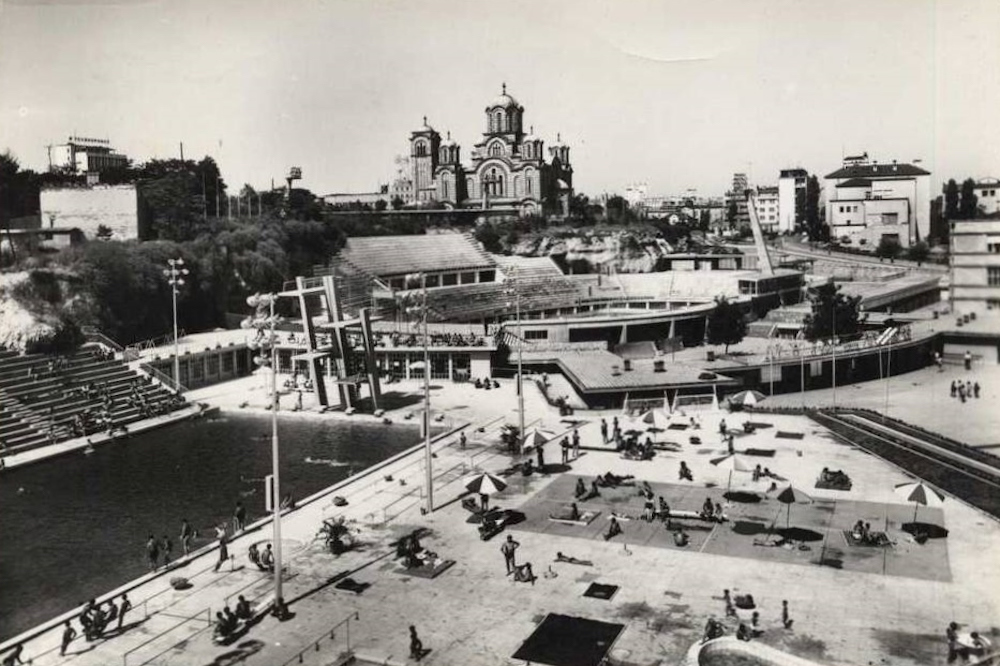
x,y
182,151
175,277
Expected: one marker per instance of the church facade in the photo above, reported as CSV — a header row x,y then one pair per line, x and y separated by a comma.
x,y
510,169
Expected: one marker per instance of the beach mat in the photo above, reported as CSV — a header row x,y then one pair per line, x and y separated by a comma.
x,y
601,591
762,453
563,640
782,434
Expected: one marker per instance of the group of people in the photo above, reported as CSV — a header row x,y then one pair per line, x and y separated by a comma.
x,y
567,447
967,389
228,623
862,532
745,631
972,646
95,621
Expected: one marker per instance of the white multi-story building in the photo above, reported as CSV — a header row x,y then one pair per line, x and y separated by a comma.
x,y
867,201
791,199
986,192
975,257
82,155
768,208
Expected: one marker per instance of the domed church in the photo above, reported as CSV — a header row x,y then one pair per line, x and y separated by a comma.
x,y
509,169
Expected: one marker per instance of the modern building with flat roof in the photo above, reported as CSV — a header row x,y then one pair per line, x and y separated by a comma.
x,y
975,263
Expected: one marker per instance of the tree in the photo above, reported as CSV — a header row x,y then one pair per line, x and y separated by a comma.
x,y
951,200
832,312
939,225
812,209
918,252
731,212
888,248
968,207
104,232
618,211
381,205
726,324
397,203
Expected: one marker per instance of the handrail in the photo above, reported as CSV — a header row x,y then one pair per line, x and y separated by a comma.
x,y
314,644
196,616
165,379
151,343
94,335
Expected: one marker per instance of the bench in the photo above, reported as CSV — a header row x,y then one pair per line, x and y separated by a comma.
x,y
585,519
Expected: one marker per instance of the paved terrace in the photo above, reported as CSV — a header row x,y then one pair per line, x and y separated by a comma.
x,y
473,614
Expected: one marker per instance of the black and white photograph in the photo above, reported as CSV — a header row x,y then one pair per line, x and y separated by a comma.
x,y
553,332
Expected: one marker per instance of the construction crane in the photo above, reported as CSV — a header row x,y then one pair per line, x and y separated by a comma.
x,y
763,255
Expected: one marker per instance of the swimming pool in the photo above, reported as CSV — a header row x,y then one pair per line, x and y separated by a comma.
x,y
75,527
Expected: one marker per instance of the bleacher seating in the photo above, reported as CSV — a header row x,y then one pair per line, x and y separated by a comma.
x,y
43,398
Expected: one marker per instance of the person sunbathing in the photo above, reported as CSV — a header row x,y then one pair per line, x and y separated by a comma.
x,y
612,480
707,509
681,539
614,529
685,472
581,489
572,560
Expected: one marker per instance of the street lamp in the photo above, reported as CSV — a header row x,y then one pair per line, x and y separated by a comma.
x,y
428,454
175,277
515,291
264,321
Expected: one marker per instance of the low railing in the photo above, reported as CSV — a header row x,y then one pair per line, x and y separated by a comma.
x,y
165,379
137,348
204,615
327,637
94,335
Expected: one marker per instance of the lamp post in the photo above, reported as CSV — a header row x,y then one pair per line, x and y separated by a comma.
x,y
515,291
834,330
428,454
175,277
264,321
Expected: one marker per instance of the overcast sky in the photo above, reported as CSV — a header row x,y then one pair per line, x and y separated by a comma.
x,y
676,94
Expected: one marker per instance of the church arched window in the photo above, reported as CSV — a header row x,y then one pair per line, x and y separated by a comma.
x,y
516,191
444,189
420,149
527,149
499,121
496,149
529,188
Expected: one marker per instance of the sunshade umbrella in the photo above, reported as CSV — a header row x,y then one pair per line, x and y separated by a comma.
x,y
746,398
536,437
789,496
734,463
654,420
485,484
919,493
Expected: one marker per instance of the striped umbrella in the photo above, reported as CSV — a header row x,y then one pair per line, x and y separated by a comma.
x,y
535,437
919,493
789,496
746,398
485,484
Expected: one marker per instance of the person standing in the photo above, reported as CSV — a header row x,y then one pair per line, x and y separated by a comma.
x,y
416,645
540,455
509,549
975,390
954,389
786,618
951,633
220,532
576,444
166,546
939,361
267,558
462,441
239,517
564,446
152,552
69,633
125,607
967,359
604,430
186,535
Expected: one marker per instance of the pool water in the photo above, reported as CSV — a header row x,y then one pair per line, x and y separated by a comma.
x,y
74,527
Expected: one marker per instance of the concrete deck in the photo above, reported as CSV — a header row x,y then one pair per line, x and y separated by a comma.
x,y
474,614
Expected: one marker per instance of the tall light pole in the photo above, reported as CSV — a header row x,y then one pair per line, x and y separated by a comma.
x,y
515,291
428,453
264,321
834,328
175,277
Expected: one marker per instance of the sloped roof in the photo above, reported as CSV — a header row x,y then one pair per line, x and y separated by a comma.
x,y
878,171
856,182
397,255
